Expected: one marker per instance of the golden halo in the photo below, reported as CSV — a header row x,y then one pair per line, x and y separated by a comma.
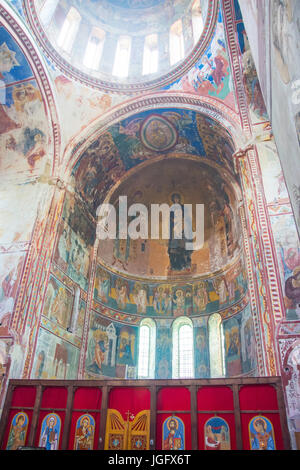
x,y
255,423
53,417
83,418
172,419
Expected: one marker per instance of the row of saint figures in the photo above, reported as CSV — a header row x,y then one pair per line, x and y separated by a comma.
x,y
133,433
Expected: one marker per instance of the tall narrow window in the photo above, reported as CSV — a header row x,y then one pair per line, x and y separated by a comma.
x,y
147,337
69,30
122,59
94,49
216,346
183,349
150,59
197,20
47,11
176,42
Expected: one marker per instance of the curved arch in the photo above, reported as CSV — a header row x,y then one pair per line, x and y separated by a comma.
x,y
183,348
147,346
23,38
210,107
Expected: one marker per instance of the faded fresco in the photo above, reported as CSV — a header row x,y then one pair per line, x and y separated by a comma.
x,y
170,299
132,141
58,303
232,346
211,75
111,348
201,349
163,354
54,358
288,251
24,127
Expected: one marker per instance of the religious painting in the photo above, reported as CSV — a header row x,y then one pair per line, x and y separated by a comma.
x,y
217,434
261,434
50,432
201,350
85,431
200,297
102,285
18,431
58,303
232,347
163,355
180,257
54,358
288,252
127,346
248,344
72,256
140,297
10,273
173,434
102,347
162,299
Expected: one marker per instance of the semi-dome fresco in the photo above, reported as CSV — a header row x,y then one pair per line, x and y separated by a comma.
x,y
116,44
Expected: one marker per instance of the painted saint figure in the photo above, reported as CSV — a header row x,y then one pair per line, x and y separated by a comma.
x,y
261,434
173,434
84,436
50,431
17,434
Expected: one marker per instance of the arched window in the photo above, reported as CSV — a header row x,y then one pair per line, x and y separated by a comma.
x,y
94,49
69,30
176,42
197,20
122,59
47,11
150,58
216,346
147,337
183,349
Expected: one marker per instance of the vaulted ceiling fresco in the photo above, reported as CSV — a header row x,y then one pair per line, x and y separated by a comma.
x,y
144,137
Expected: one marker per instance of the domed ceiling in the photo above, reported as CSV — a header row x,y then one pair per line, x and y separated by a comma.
x,y
188,181
137,20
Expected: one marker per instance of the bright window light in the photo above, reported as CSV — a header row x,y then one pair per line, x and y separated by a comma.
x,y
47,11
150,58
122,59
69,30
94,49
197,20
176,43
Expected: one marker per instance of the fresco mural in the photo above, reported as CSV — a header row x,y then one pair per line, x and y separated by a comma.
x,y
84,434
18,431
201,349
217,434
163,356
75,238
261,434
50,432
173,434
211,75
54,358
248,345
170,299
24,126
10,275
111,348
288,251
130,142
58,303
232,346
